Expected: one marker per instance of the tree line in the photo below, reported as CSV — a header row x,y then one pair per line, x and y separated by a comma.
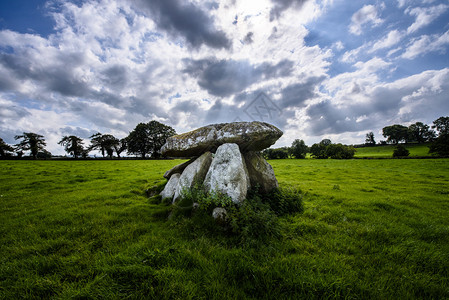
x,y
322,150
145,140
437,135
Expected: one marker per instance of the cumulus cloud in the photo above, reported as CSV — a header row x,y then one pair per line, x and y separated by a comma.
x,y
425,44
424,16
389,41
367,14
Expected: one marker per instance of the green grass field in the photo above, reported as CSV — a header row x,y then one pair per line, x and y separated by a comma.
x,y
386,151
371,229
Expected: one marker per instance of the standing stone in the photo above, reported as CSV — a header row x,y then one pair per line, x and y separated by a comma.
x,y
193,174
170,187
178,168
227,173
260,172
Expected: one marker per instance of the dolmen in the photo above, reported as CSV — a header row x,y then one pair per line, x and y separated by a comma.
x,y
224,158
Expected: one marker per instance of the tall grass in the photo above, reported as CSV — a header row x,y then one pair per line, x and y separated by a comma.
x,y
86,229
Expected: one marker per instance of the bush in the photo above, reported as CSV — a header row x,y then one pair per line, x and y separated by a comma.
x,y
400,151
339,151
252,223
279,153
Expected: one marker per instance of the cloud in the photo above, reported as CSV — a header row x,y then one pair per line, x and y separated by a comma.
x,y
424,16
228,77
405,100
367,14
282,5
390,40
426,44
179,18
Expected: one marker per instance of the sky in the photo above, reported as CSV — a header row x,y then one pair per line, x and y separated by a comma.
x,y
315,69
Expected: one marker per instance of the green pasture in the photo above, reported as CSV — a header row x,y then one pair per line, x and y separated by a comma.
x,y
371,229
386,151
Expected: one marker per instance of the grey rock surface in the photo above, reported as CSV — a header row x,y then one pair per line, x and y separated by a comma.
x,y
193,174
220,214
178,168
249,136
170,187
260,172
227,173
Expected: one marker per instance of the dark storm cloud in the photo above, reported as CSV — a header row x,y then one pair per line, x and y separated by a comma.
x,y
228,77
282,5
296,94
180,18
116,76
57,76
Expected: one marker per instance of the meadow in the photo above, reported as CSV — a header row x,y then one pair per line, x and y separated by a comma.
x,y
386,151
376,229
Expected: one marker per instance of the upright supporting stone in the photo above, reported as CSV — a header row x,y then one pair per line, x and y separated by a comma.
x,y
227,173
193,174
170,187
260,172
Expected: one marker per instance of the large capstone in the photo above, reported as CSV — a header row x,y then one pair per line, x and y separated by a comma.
x,y
227,174
260,172
249,136
193,174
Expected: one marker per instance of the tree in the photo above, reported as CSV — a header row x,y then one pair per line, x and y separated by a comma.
x,y
105,143
319,150
370,139
441,144
96,141
120,146
420,132
442,125
326,142
73,145
32,142
299,149
148,138
5,148
395,133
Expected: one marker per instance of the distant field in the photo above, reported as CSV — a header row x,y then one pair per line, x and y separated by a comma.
x,y
386,151
371,229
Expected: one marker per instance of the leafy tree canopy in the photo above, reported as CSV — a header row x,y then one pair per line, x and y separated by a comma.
x,y
5,148
370,139
298,149
395,133
73,145
420,132
148,138
31,142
